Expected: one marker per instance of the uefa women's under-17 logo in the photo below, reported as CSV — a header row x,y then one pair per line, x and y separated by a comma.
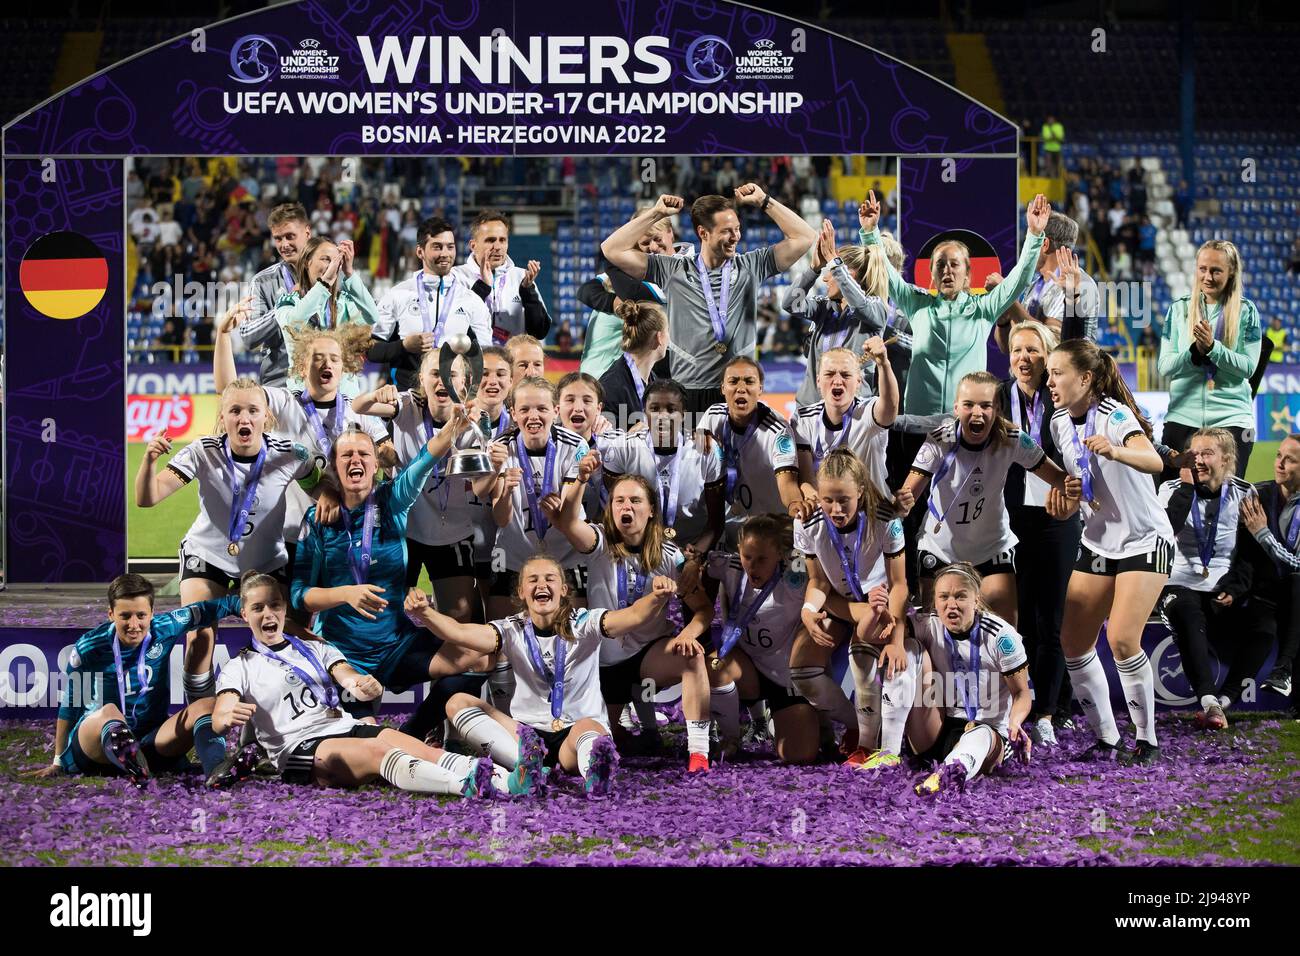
x,y
248,59
708,59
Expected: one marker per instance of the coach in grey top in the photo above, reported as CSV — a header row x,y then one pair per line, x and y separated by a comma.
x,y
1062,296
290,230
712,298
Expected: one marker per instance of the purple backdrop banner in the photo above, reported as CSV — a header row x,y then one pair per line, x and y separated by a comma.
x,y
640,77
65,409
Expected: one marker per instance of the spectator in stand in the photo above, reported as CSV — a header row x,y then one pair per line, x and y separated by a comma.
x,y
821,176
1121,263
1277,335
143,223
1147,241
1182,202
1053,134
1116,215
564,337
1137,191
727,179
1150,340
1294,266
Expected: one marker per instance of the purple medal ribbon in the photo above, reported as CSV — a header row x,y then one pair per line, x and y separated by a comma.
x,y
637,381
359,558
532,491
670,491
444,306
953,657
1205,541
739,616
733,451
322,685
556,679
1035,294
849,563
717,310
498,288
329,315
820,453
1085,470
828,338
1032,415
439,467
324,439
287,276
241,498
141,668
1293,529
944,467
626,597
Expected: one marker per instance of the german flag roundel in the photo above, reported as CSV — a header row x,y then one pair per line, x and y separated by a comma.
x,y
63,275
983,259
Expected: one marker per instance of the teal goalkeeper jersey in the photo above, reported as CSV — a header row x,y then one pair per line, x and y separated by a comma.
x,y
1229,404
91,673
322,561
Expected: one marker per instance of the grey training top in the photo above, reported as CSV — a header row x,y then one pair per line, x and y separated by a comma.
x,y
261,331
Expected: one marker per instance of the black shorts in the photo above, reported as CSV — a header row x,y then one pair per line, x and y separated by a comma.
x,y
412,667
619,683
949,734
929,564
778,698
1157,561
506,583
193,566
442,561
554,740
303,757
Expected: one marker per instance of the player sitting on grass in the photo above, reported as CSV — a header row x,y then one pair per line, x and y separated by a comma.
x,y
101,733
291,691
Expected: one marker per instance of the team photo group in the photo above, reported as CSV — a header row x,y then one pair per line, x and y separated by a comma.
x,y
650,523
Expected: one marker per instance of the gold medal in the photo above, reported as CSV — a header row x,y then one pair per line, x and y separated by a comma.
x,y
1205,572
1210,384
938,527
1094,504
334,713
716,663
233,549
557,725
720,348
670,533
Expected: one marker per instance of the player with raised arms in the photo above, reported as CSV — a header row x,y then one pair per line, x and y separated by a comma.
x,y
291,691
1127,548
242,474
554,648
99,732
624,553
964,463
352,566
842,419
851,543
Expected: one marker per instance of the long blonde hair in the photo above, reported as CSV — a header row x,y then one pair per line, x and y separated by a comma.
x,y
1001,433
867,266
353,339
1229,300
563,624
652,544
842,463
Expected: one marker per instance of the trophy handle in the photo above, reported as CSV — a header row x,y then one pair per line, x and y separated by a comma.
x,y
473,377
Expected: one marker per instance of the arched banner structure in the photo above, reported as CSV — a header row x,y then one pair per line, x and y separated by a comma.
x,y
414,78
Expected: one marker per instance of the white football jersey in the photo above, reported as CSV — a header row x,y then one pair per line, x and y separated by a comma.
x,y
287,709
293,422
976,525
765,447
446,510
882,538
518,540
770,634
1001,652
1128,520
693,471
1187,567
456,302
858,432
602,591
531,702
262,546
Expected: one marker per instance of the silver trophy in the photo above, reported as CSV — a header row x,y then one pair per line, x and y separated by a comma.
x,y
468,462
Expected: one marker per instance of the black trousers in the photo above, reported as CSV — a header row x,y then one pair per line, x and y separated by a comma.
x,y
1241,638
1045,559
904,446
698,401
1178,437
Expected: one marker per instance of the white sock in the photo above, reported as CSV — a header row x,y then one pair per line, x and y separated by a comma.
x,y
501,686
973,749
457,764
897,698
585,743
475,726
198,686
1139,685
1208,701
697,737
422,776
864,661
646,715
1224,702
1088,681
820,690
724,707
